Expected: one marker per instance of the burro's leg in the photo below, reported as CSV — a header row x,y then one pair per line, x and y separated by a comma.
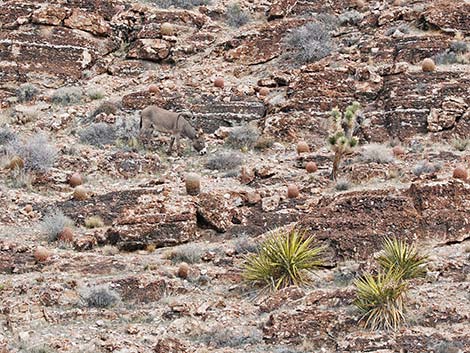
x,y
178,147
172,141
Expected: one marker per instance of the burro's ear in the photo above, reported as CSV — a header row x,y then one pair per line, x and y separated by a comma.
x,y
187,115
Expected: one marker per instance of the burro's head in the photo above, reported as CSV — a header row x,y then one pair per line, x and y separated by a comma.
x,y
199,143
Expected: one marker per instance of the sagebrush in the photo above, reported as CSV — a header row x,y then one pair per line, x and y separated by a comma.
x,y
98,134
310,42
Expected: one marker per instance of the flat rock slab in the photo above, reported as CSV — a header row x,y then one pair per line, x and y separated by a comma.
x,y
437,211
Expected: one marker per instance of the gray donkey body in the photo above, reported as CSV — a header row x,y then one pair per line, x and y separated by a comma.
x,y
155,118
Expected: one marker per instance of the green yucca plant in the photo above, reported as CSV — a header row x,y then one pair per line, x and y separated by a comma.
x,y
381,299
283,259
397,253
341,140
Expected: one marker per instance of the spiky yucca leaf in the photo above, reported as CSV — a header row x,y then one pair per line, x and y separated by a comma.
x,y
284,259
381,299
397,253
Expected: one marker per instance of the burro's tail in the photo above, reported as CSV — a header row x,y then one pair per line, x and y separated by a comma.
x,y
140,122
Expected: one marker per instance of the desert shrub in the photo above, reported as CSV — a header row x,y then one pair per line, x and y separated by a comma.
x,y
6,135
381,299
95,93
342,185
329,22
460,144
94,222
54,223
98,134
67,95
20,179
243,137
189,253
398,254
245,245
446,58
235,16
264,143
425,167
181,4
127,133
447,347
459,47
26,92
310,42
352,17
38,154
225,160
105,107
100,297
285,258
232,336
376,153
38,348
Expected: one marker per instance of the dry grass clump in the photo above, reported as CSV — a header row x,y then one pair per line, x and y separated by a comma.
x,y
98,134
26,92
37,153
310,42
243,137
425,167
235,16
100,297
284,259
225,160
189,253
54,223
376,153
461,144
67,96
94,222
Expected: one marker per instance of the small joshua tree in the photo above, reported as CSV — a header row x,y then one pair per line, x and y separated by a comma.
x,y
341,140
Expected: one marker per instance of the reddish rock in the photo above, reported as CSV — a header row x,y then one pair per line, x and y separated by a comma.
x,y
246,176
149,49
219,82
428,65
50,15
292,191
311,167
263,91
66,235
153,88
398,151
142,99
183,270
41,254
460,172
216,211
449,15
75,180
88,21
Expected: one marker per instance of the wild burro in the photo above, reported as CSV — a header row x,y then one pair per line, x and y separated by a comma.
x,y
155,118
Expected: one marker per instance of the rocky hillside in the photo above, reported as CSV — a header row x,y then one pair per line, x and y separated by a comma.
x,y
102,249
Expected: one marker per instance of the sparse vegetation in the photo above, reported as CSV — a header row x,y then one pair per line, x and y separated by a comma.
x,y
236,16
425,167
95,93
6,135
26,92
67,96
460,144
264,143
54,223
179,4
285,258
36,152
310,42
243,137
352,17
342,139
105,107
381,299
232,336
342,185
376,153
244,244
398,254
189,253
225,160
94,222
459,47
98,134
100,297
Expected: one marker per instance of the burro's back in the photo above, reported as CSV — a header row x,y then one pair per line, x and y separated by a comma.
x,y
156,118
